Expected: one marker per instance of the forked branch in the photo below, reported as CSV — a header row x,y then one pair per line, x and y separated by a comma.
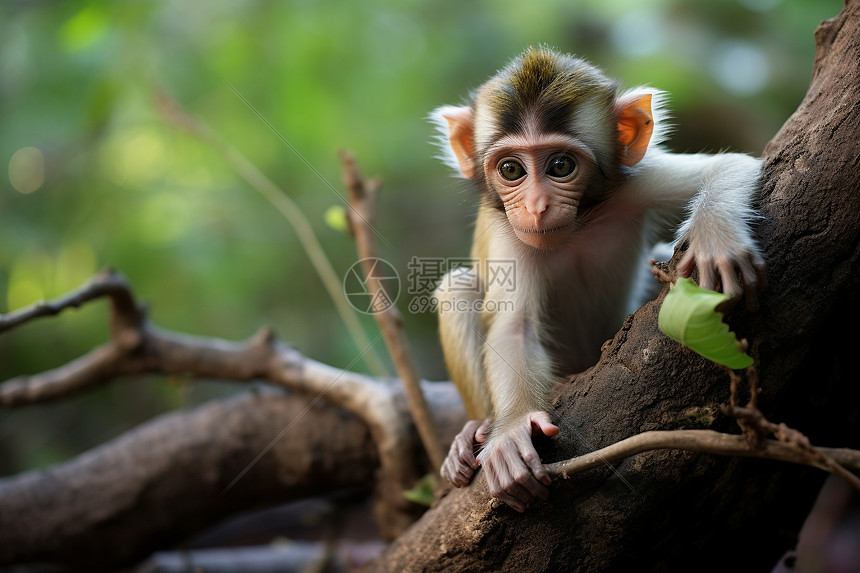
x,y
136,347
704,441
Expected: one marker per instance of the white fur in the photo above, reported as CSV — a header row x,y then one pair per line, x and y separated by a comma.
x,y
442,137
659,112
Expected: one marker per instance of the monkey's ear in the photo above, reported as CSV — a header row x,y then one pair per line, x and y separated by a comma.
x,y
457,134
635,126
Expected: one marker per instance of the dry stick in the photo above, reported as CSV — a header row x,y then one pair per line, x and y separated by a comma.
x,y
752,377
291,212
106,283
706,441
756,425
362,199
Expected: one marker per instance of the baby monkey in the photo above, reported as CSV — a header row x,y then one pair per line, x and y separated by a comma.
x,y
574,190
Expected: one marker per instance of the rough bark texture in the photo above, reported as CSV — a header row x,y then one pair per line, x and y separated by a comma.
x,y
675,511
155,486
185,471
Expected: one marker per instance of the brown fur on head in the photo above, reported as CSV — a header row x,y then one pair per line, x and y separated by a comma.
x,y
543,90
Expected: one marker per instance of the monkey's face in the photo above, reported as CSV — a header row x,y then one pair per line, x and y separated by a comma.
x,y
541,181
545,139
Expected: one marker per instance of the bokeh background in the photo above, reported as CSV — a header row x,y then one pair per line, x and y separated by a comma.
x,y
95,175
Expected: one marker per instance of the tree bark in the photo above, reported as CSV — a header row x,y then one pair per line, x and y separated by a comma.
x,y
153,487
671,510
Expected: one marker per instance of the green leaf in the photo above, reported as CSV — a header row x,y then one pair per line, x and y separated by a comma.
x,y
422,493
689,315
335,217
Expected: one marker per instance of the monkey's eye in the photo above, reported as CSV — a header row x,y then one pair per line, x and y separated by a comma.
x,y
560,166
511,170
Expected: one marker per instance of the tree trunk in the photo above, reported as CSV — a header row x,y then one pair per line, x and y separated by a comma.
x,y
670,510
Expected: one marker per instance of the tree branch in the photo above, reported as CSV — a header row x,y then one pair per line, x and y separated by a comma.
x,y
169,478
138,347
362,200
704,441
106,283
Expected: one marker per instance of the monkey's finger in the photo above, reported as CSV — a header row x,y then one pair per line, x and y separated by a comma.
x,y
533,463
686,265
462,455
519,495
726,270
520,480
513,487
751,285
528,489
502,486
466,454
481,433
707,279
463,476
542,424
526,495
512,501
453,472
516,477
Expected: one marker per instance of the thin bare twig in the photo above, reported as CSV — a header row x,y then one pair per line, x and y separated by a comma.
x,y
754,423
291,212
704,441
106,283
790,445
362,199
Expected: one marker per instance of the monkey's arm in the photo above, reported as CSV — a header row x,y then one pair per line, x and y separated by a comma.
x,y
717,192
502,370
459,297
519,375
518,369
458,301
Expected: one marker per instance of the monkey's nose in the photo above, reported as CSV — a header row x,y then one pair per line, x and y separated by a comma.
x,y
537,205
538,215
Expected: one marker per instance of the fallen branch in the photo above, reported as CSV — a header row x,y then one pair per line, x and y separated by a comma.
x,y
137,347
167,479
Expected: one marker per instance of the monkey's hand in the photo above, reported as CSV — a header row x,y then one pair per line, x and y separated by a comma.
x,y
460,464
514,471
725,263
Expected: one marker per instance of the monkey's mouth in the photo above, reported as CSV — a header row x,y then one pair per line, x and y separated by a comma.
x,y
546,231
546,239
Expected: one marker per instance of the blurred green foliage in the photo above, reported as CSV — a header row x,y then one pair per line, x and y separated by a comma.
x,y
97,176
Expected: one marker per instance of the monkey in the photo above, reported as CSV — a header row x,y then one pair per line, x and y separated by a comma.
x,y
574,189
